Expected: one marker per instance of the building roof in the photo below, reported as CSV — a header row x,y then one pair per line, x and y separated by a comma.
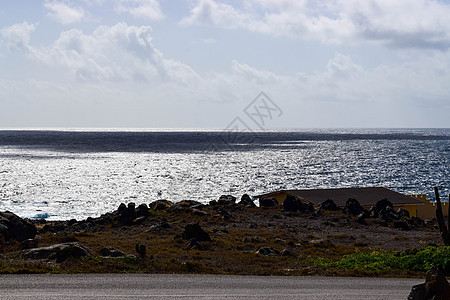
x,y
366,196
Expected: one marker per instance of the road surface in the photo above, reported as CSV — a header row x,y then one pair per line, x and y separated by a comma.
x,y
149,286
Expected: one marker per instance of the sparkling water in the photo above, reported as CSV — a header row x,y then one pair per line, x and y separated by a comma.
x,y
64,174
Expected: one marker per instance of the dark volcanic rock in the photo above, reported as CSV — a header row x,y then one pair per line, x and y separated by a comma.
x,y
435,287
161,204
308,207
388,214
247,201
13,227
352,206
226,200
382,204
28,244
361,218
287,252
59,252
268,251
194,230
142,211
111,252
193,244
292,204
268,202
184,205
401,225
126,214
401,212
373,212
164,225
328,205
198,212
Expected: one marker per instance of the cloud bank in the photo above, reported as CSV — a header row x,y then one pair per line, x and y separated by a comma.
x,y
402,23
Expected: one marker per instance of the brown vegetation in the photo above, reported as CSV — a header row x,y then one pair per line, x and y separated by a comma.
x,y
237,233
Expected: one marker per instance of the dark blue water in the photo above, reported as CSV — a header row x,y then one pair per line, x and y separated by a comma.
x,y
194,141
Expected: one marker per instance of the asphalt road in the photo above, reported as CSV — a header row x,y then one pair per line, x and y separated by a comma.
x,y
147,286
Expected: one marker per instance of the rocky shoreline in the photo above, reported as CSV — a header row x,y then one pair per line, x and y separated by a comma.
x,y
226,236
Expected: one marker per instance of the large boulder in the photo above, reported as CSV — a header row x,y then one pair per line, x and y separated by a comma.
x,y
111,252
142,210
435,287
58,252
352,206
268,202
292,204
382,204
246,201
14,227
193,230
226,200
127,214
328,205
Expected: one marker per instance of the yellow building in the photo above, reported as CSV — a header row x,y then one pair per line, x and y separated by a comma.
x,y
428,210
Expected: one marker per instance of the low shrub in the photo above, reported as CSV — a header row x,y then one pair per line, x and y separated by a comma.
x,y
409,260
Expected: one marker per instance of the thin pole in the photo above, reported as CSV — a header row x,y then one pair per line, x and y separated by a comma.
x,y
440,218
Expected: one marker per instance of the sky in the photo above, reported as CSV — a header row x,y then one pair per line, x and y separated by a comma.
x,y
225,64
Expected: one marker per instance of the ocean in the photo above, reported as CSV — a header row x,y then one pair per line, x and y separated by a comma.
x,y
78,173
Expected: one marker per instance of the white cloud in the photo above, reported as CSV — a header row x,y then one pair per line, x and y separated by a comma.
x,y
145,9
402,23
113,53
64,13
17,36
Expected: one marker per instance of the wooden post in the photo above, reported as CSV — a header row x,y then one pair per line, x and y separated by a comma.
x,y
448,215
440,219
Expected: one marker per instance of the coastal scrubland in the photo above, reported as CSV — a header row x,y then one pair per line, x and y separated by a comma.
x,y
225,237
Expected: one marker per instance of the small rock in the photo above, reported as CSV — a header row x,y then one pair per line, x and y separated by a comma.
x,y
139,221
161,204
373,212
194,245
287,252
161,226
268,251
401,225
361,218
141,249
215,230
198,212
29,244
401,212
111,252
